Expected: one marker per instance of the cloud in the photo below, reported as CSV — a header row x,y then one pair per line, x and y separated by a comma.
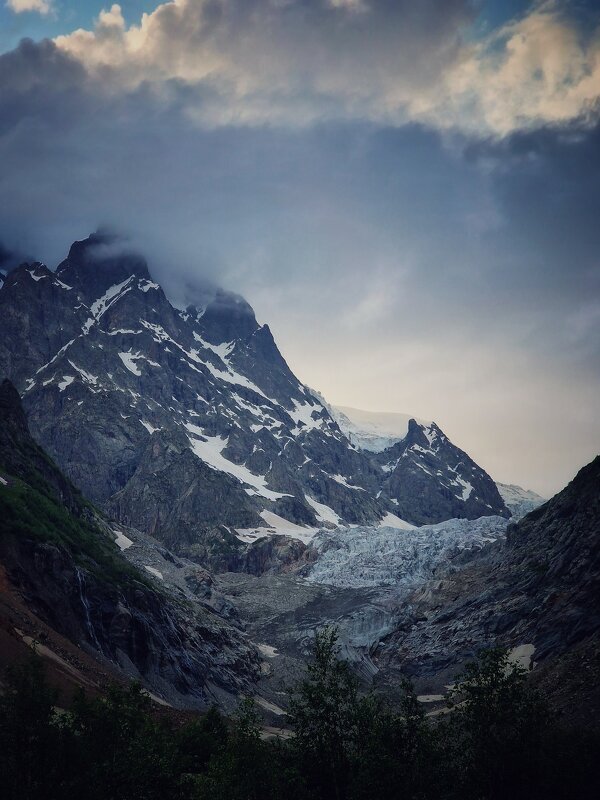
x,y
19,6
297,63
10,259
255,146
535,71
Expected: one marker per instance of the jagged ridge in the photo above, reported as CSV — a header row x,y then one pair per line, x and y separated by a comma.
x,y
188,424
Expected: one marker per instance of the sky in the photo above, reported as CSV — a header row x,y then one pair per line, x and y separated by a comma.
x,y
408,193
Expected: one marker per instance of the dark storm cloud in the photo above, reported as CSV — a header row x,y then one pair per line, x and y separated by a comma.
x,y
499,226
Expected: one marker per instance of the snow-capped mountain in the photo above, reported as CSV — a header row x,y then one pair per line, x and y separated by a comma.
x,y
190,424
373,431
429,479
519,501
426,477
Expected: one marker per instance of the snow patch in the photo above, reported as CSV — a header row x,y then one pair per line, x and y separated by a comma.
x,y
145,286
430,434
267,650
276,525
522,656
324,513
100,306
467,488
231,376
157,573
129,360
222,350
57,355
87,377
209,449
268,706
392,521
66,381
430,698
122,541
302,415
35,277
340,479
62,285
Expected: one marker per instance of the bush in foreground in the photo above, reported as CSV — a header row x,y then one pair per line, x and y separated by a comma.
x,y
498,741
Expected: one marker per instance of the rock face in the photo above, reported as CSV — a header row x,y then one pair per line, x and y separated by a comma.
x,y
539,588
189,424
61,557
429,479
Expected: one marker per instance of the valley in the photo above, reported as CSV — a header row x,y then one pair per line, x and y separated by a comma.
x,y
243,513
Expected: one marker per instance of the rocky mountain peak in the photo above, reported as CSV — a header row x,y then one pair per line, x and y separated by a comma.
x,y
32,272
432,479
99,262
228,317
109,369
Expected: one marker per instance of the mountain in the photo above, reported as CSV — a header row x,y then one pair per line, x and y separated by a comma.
x,y
536,591
189,425
67,587
373,431
429,479
519,501
425,476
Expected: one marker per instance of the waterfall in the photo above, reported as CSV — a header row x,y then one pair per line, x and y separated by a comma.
x,y
86,608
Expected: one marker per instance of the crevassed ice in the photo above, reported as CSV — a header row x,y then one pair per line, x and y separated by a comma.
x,y
366,556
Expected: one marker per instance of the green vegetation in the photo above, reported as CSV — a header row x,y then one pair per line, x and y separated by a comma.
x,y
499,741
30,513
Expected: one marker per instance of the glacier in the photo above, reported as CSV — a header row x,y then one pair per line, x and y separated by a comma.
x,y
370,557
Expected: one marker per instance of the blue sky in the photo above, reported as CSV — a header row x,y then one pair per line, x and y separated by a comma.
x,y
407,193
64,17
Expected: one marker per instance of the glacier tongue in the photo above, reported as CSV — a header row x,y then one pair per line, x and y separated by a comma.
x,y
365,556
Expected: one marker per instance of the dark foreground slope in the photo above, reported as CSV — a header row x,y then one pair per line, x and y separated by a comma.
x,y
538,591
63,575
500,742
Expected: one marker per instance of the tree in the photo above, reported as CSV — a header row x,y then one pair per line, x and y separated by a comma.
x,y
496,731
248,767
123,751
30,735
328,718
